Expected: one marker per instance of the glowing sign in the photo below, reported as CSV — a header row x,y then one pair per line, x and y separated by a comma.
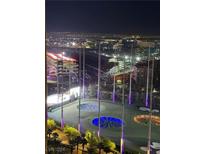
x,y
119,81
56,99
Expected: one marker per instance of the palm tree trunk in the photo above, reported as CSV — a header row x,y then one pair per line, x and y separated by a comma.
x,y
71,150
77,148
99,150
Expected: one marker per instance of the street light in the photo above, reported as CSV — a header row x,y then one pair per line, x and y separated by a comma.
x,y
98,90
73,43
138,58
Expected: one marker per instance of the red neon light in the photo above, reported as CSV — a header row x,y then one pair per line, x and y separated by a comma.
x,y
59,56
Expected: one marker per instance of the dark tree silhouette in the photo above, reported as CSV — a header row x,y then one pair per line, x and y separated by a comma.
x,y
100,147
72,145
106,149
84,141
49,132
77,141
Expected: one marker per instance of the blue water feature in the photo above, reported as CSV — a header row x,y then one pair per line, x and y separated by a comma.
x,y
108,122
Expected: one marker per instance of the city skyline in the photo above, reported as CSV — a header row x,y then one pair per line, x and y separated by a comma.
x,y
103,60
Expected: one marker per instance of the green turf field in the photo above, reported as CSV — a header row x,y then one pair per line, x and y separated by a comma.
x,y
135,134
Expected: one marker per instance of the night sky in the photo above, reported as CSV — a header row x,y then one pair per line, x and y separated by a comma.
x,y
121,17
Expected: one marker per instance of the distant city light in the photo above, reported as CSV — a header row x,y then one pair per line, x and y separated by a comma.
x,y
73,43
154,91
138,58
126,57
114,56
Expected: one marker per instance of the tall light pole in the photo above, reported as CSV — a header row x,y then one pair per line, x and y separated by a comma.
x,y
46,106
69,77
146,100
130,88
46,88
79,100
60,86
114,83
83,72
113,92
123,110
150,112
98,93
62,117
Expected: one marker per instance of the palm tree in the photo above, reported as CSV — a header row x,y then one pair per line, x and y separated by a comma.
x,y
49,132
92,140
71,132
72,146
88,135
83,141
77,141
108,145
100,146
91,150
51,124
106,149
55,136
54,142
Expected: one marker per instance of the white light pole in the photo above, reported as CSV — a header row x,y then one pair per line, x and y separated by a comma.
x,y
146,101
150,112
79,100
83,72
69,78
58,86
62,117
130,88
113,93
98,93
123,110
